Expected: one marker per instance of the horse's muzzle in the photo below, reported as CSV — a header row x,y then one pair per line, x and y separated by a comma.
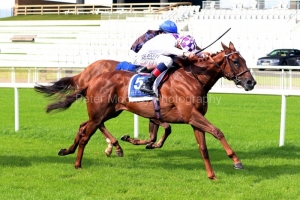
x,y
249,85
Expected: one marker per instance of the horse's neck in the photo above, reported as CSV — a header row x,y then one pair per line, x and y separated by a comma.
x,y
207,72
214,71
209,79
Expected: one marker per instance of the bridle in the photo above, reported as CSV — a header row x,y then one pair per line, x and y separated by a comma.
x,y
234,76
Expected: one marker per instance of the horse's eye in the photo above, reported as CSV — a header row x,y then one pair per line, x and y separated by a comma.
x,y
235,62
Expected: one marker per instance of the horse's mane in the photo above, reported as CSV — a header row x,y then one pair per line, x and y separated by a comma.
x,y
180,62
207,58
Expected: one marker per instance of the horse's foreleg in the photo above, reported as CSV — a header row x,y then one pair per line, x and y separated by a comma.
x,y
199,121
237,164
111,141
74,146
200,137
231,154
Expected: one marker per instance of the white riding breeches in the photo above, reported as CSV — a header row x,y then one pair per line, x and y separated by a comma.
x,y
152,59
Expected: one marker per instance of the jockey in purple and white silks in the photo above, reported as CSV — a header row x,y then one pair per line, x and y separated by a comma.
x,y
157,51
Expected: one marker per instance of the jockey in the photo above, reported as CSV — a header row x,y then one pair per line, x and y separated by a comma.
x,y
167,26
156,54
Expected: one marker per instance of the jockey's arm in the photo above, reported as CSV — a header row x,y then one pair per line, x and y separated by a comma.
x,y
203,53
167,47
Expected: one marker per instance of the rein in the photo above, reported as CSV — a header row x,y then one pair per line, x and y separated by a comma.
x,y
196,77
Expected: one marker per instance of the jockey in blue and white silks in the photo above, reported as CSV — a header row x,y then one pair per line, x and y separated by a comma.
x,y
157,51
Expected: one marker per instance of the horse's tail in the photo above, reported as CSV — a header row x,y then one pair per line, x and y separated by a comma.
x,y
62,86
68,100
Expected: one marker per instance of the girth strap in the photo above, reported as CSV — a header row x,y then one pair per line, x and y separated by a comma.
x,y
156,105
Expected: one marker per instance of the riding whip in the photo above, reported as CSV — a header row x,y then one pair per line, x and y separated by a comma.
x,y
213,42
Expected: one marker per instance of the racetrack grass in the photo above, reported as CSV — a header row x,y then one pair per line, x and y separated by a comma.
x,y
31,169
105,16
51,17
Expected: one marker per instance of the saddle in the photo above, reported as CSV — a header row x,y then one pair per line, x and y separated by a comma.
x,y
134,93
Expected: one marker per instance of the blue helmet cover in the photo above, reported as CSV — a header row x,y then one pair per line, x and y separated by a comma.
x,y
168,26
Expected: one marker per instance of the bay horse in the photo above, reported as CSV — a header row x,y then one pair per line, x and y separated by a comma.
x,y
181,99
67,85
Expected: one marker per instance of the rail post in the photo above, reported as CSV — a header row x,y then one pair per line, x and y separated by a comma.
x,y
17,125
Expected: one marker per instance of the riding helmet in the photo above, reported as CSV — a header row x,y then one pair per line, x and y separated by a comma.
x,y
168,26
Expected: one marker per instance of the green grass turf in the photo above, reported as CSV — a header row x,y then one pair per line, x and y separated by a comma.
x,y
31,169
52,17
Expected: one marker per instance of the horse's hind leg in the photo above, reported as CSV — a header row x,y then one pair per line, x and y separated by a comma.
x,y
109,147
162,140
73,147
153,128
111,141
84,137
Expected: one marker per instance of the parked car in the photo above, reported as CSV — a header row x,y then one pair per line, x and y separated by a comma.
x,y
280,57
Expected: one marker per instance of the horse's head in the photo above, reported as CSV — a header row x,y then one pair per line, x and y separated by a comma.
x,y
235,68
229,64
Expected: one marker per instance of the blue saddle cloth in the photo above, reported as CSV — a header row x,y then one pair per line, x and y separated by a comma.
x,y
135,83
134,86
126,66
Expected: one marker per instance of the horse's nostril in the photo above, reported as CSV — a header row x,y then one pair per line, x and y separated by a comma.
x,y
250,82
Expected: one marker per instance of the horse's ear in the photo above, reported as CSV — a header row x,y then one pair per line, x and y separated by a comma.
x,y
226,49
231,46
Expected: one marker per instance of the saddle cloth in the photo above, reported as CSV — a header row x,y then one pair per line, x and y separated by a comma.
x,y
136,81
134,93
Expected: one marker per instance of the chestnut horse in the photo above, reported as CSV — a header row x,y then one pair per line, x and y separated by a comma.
x,y
181,100
69,84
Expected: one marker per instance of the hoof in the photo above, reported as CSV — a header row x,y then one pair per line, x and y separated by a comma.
x,y
61,152
125,137
149,145
119,153
213,178
108,151
238,166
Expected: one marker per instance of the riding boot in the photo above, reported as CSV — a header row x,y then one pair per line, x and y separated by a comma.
x,y
147,85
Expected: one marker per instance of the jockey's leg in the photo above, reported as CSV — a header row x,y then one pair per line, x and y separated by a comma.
x,y
147,85
143,69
